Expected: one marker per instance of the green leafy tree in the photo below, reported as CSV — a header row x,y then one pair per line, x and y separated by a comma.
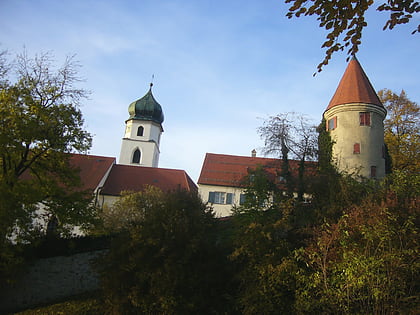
x,y
40,124
345,20
262,247
267,228
260,192
165,258
402,130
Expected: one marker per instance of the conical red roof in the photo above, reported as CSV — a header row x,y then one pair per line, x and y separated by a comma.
x,y
354,87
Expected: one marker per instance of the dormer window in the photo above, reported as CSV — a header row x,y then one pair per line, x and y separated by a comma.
x,y
364,119
140,131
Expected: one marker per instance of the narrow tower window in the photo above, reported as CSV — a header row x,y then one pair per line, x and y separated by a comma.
x,y
136,156
364,119
332,123
140,131
373,171
356,148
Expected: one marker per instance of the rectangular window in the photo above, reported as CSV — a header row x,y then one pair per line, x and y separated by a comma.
x,y
373,171
332,123
356,148
219,197
364,119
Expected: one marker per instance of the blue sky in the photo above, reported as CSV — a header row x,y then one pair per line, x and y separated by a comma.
x,y
220,67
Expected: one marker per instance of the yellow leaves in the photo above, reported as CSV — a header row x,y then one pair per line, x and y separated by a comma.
x,y
402,130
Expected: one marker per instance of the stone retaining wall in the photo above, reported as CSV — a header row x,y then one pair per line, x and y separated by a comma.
x,y
52,279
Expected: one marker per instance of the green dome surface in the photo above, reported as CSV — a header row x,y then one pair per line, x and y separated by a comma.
x,y
146,108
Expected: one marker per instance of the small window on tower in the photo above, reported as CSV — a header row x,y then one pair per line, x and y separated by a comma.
x,y
332,123
364,119
373,171
140,131
356,148
136,156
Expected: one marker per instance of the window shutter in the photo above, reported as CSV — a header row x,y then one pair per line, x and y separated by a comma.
x,y
211,196
242,198
332,123
356,148
229,198
364,119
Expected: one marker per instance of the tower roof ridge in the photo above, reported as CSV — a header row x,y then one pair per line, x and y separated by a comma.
x,y
354,87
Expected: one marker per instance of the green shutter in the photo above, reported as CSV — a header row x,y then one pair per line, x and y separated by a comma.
x,y
229,198
242,198
211,196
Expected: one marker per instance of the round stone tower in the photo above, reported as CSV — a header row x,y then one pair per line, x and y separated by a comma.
x,y
354,119
140,145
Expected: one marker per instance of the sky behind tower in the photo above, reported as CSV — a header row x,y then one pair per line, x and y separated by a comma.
x,y
220,67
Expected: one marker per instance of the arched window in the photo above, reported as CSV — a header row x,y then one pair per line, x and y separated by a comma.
x,y
136,156
140,131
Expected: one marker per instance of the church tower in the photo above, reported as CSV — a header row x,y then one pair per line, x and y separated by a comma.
x,y
354,119
140,145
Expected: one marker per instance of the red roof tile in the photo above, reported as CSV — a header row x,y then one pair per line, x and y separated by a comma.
x,y
92,168
230,170
134,178
354,87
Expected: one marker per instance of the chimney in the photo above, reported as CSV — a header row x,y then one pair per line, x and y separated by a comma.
x,y
254,153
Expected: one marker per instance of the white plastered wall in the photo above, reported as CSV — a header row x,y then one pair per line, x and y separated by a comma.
x,y
148,143
221,210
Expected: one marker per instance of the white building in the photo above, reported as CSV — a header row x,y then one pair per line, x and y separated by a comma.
x,y
221,181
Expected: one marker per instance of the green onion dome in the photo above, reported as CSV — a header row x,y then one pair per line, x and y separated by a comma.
x,y
146,108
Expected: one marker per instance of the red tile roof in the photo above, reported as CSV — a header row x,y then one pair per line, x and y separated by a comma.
x,y
92,168
135,178
354,87
230,170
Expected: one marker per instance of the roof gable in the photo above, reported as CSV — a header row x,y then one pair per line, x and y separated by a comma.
x,y
354,87
135,178
92,169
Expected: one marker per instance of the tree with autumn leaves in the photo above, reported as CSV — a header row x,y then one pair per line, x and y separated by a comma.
x,y
402,130
41,123
345,20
